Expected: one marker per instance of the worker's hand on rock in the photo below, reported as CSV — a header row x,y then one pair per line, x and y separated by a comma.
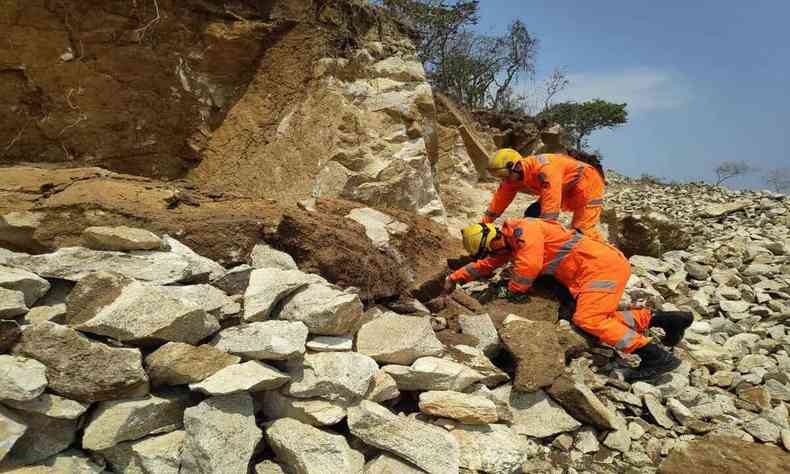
x,y
449,286
508,294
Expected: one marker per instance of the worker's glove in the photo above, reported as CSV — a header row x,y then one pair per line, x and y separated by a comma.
x,y
510,295
449,286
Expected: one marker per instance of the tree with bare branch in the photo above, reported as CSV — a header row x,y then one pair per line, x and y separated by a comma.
x,y
730,169
779,180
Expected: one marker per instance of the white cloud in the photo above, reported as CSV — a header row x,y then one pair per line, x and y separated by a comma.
x,y
643,89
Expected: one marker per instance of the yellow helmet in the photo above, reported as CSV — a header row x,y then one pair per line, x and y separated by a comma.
x,y
500,164
477,238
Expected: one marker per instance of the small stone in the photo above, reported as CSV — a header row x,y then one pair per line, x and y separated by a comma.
x,y
52,406
251,376
618,440
763,430
469,409
331,343
428,447
268,340
39,314
734,307
759,396
482,327
177,363
206,452
698,271
587,441
12,428
786,439
120,238
382,388
125,420
658,411
269,467
635,431
584,405
679,411
723,378
21,379
309,450
398,339
650,264
264,256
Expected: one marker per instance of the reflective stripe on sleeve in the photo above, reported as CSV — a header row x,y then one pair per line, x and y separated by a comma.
x,y
522,280
562,253
628,319
626,340
602,285
595,202
542,159
551,215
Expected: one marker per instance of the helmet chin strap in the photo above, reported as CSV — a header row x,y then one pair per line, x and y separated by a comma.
x,y
481,249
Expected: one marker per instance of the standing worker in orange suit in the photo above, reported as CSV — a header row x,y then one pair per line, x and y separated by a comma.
x,y
594,272
560,182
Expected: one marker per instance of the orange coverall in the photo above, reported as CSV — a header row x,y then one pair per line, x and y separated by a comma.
x,y
561,183
594,272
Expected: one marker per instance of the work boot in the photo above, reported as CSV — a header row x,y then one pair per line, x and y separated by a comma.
x,y
655,361
674,324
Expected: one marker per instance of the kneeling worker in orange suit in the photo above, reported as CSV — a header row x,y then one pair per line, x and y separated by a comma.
x,y
560,182
595,274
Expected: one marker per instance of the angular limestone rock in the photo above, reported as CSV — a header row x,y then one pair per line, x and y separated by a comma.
x,y
200,268
334,376
482,327
52,406
331,343
9,333
492,448
177,363
30,284
251,376
476,360
21,379
382,388
75,263
428,447
718,210
314,412
154,454
43,438
70,461
120,238
584,405
115,306
537,415
125,420
12,303
269,467
267,340
387,464
308,450
263,256
270,286
469,409
205,297
11,428
221,435
431,373
325,311
398,339
81,369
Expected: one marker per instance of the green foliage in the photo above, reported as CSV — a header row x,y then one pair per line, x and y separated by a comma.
x,y
477,70
581,119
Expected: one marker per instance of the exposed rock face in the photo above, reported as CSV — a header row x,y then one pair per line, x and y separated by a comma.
x,y
177,363
81,369
427,447
308,450
204,451
397,339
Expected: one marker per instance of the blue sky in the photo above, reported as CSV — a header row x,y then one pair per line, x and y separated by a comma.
x,y
706,81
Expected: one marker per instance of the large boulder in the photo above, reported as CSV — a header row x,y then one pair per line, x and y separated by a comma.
x,y
75,263
221,435
21,379
124,420
308,450
325,310
177,363
341,376
725,454
270,286
30,284
539,357
267,340
82,369
397,339
428,447
115,306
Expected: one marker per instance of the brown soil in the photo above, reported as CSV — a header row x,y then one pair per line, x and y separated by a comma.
x,y
537,351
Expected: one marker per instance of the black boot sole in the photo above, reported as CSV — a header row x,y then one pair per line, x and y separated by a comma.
x,y
635,375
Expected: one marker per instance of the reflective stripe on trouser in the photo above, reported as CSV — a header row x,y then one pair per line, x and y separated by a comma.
x,y
586,219
562,253
596,314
